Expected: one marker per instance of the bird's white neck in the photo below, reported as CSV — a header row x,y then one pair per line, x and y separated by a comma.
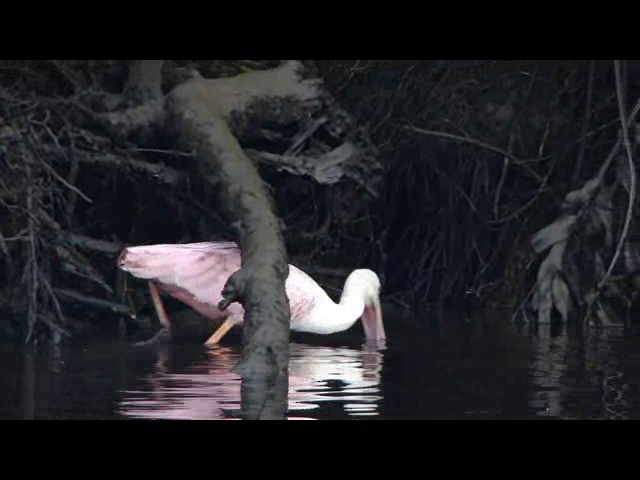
x,y
330,317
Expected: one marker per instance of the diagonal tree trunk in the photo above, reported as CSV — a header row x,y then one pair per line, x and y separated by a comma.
x,y
204,117
259,285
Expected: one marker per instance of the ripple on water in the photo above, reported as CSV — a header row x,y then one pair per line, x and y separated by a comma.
x,y
345,378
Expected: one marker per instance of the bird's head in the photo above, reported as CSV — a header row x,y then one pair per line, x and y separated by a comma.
x,y
366,284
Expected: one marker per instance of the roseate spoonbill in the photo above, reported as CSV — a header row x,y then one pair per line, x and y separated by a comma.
x,y
195,273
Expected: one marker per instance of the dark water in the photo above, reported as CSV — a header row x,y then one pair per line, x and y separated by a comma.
x,y
482,369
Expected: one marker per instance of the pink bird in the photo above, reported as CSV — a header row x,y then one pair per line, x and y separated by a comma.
x,y
195,273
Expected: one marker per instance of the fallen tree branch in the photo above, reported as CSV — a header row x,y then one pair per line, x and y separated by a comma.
x,y
196,110
103,246
161,173
325,169
72,260
96,303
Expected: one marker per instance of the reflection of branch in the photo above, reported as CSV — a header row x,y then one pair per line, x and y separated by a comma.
x,y
52,295
48,320
264,399
28,385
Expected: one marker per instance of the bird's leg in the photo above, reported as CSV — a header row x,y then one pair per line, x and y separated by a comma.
x,y
222,331
157,303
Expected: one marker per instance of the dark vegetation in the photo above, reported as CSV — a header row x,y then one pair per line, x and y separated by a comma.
x,y
436,174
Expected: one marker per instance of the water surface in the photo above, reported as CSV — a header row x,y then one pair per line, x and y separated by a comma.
x,y
481,369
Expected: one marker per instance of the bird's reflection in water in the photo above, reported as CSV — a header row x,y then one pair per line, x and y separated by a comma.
x,y
206,389
327,374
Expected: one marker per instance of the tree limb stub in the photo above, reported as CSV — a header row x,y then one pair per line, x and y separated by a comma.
x,y
197,111
139,121
144,82
237,96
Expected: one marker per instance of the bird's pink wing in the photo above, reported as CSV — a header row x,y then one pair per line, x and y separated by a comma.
x,y
303,293
194,273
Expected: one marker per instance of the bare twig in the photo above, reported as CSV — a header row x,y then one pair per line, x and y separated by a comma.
x,y
76,264
71,178
160,172
524,301
72,260
327,168
95,244
57,176
471,141
505,165
97,303
503,176
46,319
177,153
632,174
298,141
585,125
52,295
5,251
67,73
486,146
540,189
49,168
32,264
203,210
77,239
